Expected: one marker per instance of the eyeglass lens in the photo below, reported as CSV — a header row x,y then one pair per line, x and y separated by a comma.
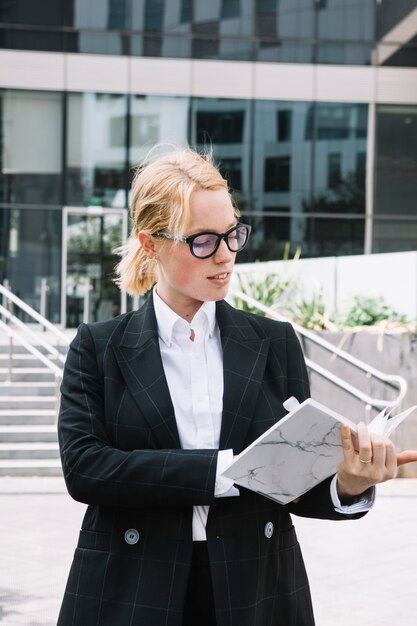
x,y
206,243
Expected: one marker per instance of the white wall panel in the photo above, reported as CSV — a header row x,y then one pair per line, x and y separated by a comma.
x,y
225,79
169,77
344,83
98,73
31,70
397,85
283,81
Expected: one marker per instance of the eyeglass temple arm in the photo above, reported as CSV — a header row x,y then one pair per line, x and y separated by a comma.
x,y
171,236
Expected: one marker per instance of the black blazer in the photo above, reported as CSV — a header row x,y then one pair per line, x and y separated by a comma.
x,y
121,455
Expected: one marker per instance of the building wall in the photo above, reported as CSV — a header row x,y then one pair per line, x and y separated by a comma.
x,y
310,109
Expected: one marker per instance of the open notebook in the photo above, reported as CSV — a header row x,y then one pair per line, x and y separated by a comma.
x,y
300,450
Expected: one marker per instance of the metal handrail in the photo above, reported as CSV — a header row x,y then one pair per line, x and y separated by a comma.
x,y
393,380
9,297
34,314
38,338
57,371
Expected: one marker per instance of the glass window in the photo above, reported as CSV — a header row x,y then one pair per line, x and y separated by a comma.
x,y
334,169
284,125
186,11
30,147
223,126
45,13
205,42
96,150
277,174
266,7
394,235
231,169
346,20
220,127
333,237
274,236
398,56
31,39
154,16
157,119
396,160
230,8
118,13
336,121
30,255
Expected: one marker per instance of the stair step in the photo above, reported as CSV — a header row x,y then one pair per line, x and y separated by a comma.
x,y
27,416
31,374
26,359
29,450
26,388
25,433
35,467
22,402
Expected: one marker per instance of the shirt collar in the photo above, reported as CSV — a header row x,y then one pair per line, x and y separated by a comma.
x,y
167,319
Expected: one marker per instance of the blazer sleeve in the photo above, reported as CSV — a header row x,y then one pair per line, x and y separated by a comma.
x,y
98,473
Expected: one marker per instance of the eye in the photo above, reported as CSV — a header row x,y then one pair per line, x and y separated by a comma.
x,y
204,241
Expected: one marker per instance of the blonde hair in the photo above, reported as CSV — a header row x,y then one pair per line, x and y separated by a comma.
x,y
161,191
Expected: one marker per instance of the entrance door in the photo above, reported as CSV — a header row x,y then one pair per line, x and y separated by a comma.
x,y
89,235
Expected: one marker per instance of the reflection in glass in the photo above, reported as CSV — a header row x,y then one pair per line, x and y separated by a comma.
x,y
396,160
30,251
96,150
394,235
90,265
157,119
30,147
223,126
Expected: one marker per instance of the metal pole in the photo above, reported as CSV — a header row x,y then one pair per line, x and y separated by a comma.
x,y
43,298
10,362
57,395
86,312
9,306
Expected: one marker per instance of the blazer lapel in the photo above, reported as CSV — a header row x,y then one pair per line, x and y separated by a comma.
x,y
244,360
140,362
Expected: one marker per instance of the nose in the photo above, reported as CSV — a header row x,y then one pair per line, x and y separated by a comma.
x,y
223,254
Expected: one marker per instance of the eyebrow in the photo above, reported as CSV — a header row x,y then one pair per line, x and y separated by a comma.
x,y
208,230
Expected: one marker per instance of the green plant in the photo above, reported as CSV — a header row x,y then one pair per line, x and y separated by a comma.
x,y
368,312
266,289
309,313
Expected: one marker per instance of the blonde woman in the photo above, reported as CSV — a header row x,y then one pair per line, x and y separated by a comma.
x,y
156,402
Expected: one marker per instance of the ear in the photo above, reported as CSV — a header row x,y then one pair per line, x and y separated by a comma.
x,y
147,243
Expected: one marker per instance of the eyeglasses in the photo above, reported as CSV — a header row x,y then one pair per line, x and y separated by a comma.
x,y
205,244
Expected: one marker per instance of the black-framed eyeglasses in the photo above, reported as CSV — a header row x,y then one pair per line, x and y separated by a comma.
x,y
205,244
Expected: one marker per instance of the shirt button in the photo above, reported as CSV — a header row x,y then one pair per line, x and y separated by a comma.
x,y
269,530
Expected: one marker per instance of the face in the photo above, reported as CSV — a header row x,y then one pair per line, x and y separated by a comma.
x,y
185,282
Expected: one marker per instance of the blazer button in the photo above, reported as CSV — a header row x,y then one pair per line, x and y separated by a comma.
x,y
269,530
131,536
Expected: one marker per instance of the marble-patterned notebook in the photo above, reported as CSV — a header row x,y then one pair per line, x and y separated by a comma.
x,y
299,451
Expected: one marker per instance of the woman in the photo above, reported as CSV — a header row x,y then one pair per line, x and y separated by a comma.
x,y
156,402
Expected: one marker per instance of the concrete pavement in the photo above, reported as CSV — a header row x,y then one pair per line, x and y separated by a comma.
x,y
361,573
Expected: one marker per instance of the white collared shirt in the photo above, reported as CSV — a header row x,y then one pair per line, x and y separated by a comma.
x,y
194,373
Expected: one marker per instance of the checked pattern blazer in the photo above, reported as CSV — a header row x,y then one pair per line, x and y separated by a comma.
x,y
121,456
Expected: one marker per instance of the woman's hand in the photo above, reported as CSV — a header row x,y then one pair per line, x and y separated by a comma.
x,y
367,460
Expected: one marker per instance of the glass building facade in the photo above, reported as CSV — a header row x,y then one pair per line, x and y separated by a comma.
x,y
309,106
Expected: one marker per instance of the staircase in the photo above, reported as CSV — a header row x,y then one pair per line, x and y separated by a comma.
x,y
32,355
28,433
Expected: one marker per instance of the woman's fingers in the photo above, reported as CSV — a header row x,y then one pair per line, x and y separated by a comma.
x,y
407,456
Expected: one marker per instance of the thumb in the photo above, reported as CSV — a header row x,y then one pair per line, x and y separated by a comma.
x,y
408,456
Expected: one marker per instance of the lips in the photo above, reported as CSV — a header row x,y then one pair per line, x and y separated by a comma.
x,y
221,276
